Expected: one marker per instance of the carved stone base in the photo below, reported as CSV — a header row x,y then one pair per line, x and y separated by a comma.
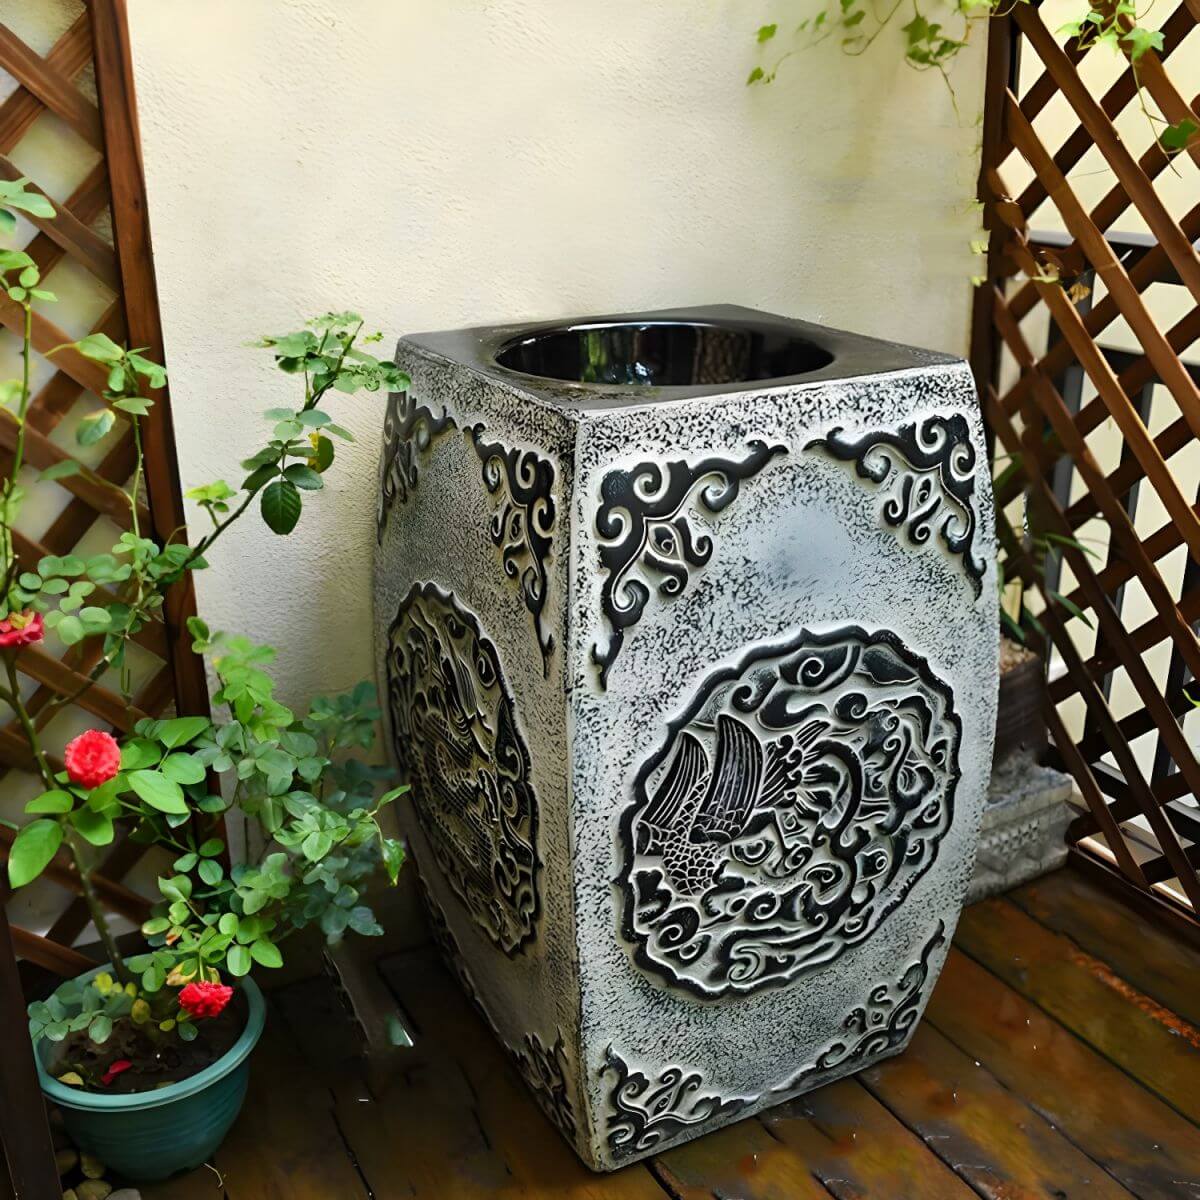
x,y
1024,826
686,629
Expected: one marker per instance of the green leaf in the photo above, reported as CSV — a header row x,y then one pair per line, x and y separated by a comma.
x,y
178,887
99,347
304,477
211,847
766,33
51,802
94,426
211,871
1140,40
1176,137
183,768
187,1031
185,862
100,1028
393,857
35,845
281,506
139,753
158,791
156,925
265,953
182,729
322,457
60,470
94,827
70,629
228,924
362,921
137,405
238,960
339,431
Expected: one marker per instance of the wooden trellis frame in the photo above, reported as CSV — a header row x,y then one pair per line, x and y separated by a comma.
x,y
50,87
1141,820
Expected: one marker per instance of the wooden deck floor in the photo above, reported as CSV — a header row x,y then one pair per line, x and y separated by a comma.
x,y
1060,1058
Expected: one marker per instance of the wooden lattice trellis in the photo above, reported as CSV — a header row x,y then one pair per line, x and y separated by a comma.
x,y
1077,413
57,89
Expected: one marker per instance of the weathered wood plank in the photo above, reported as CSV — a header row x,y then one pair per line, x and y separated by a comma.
x,y
1135,1136
1156,963
742,1160
1152,1043
465,1055
858,1149
985,1133
286,1143
422,1137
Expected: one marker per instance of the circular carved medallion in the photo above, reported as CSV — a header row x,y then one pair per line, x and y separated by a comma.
x,y
790,809
456,736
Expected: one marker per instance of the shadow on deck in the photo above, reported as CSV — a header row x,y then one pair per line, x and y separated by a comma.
x,y
1059,1058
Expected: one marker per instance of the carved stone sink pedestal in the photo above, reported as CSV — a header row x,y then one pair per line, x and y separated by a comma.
x,y
687,634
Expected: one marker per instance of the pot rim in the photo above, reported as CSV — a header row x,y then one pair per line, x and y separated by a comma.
x,y
69,1097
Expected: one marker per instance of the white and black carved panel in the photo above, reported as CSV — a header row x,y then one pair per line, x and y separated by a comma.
x,y
791,808
545,1069
522,527
546,1072
645,1112
648,542
457,736
925,471
876,1028
409,430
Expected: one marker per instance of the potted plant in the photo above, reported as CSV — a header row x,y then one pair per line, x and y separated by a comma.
x,y
147,1055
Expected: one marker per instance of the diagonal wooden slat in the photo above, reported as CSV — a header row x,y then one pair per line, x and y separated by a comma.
x,y
75,238
1051,404
54,673
54,90
1096,703
1174,30
68,56
1138,186
1166,362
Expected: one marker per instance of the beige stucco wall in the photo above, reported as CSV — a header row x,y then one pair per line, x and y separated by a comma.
x,y
444,163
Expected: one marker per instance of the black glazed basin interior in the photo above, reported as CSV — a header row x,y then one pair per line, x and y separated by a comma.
x,y
666,353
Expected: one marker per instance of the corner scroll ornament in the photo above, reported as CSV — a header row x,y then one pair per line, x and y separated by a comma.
x,y
876,1028
647,536
927,471
409,431
647,1112
522,527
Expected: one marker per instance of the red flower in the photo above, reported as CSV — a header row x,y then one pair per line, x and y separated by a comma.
x,y
204,999
115,1069
21,629
92,758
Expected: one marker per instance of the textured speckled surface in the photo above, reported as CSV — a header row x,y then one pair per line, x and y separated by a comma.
x,y
755,830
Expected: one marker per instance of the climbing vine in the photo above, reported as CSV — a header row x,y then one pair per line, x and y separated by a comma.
x,y
931,44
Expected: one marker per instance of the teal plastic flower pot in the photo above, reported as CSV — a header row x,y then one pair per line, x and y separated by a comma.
x,y
146,1136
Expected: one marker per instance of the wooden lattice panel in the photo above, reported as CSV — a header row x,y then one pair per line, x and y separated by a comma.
x,y
69,113
1084,349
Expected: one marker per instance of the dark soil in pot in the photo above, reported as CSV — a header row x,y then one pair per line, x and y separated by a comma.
x,y
157,1058
1020,723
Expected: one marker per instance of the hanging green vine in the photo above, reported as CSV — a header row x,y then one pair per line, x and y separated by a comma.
x,y
933,45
